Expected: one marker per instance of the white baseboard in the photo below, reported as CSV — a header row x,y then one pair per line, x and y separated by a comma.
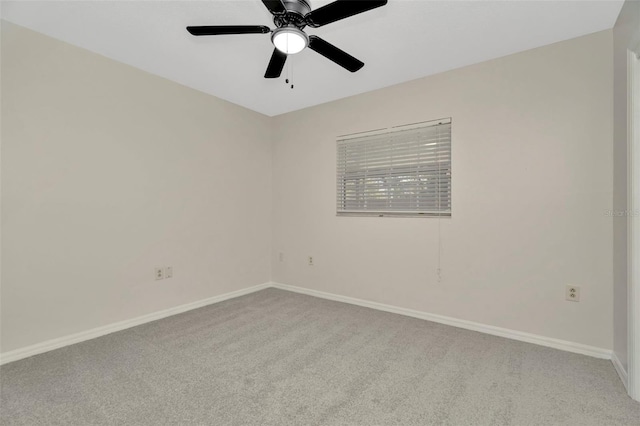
x,y
469,325
620,369
60,342
50,345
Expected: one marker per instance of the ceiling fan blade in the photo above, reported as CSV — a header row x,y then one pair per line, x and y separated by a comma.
x,y
228,29
340,9
334,54
276,64
274,6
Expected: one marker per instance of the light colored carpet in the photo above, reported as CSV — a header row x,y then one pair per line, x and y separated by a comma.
x,y
280,358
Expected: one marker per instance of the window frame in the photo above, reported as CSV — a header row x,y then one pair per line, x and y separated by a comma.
x,y
341,181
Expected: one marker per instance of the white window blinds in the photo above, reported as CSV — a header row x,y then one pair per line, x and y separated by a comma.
x,y
404,170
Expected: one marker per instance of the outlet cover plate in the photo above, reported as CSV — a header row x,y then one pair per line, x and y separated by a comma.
x,y
572,293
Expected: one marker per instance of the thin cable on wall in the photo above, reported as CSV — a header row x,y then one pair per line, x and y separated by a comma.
x,y
439,270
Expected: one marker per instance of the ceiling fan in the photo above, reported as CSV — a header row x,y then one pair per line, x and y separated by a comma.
x,y
290,17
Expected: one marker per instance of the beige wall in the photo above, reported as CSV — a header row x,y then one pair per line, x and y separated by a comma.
x,y
532,181
108,172
626,35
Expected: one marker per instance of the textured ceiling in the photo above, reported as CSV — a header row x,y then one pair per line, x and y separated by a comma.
x,y
405,40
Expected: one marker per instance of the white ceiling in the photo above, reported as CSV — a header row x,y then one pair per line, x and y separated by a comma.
x,y
404,40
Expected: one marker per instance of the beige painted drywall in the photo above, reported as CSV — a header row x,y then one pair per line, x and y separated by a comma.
x,y
626,35
532,182
108,172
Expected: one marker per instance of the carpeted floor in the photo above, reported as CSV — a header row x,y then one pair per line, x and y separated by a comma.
x,y
280,358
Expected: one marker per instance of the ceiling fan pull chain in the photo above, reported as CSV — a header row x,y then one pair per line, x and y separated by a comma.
x,y
290,67
289,74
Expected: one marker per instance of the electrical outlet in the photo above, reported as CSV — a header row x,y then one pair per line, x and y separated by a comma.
x,y
168,272
310,260
159,273
281,256
573,293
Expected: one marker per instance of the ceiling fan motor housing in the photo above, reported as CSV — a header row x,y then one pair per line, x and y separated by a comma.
x,y
294,16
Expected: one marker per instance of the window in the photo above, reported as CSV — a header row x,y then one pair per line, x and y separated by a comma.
x,y
401,171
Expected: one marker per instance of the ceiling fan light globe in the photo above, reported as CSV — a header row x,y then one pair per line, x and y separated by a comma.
x,y
289,40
